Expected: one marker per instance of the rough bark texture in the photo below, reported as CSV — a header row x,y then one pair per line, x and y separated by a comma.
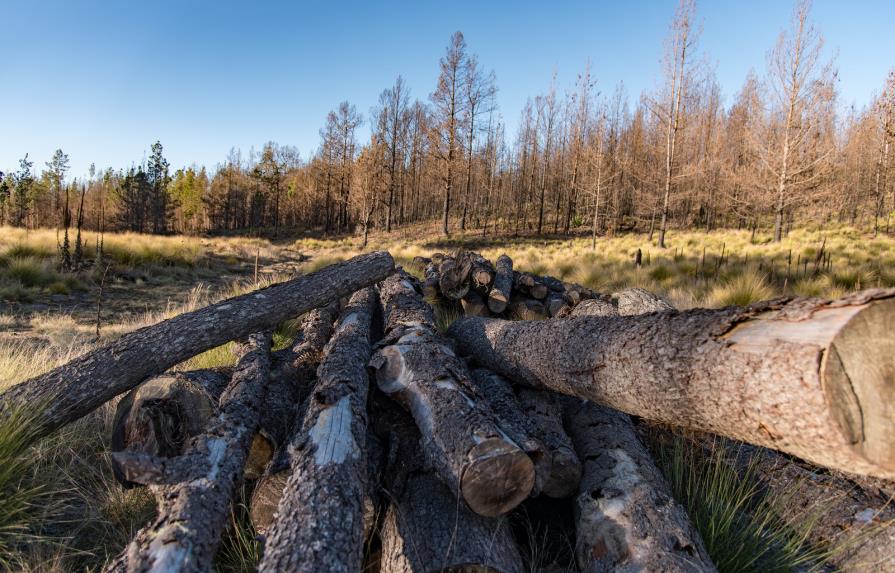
x,y
193,512
625,516
160,416
543,409
522,429
594,307
319,521
805,376
425,528
463,442
482,274
499,296
638,301
453,277
80,386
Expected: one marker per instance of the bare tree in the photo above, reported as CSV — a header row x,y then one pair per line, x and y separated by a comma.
x,y
479,90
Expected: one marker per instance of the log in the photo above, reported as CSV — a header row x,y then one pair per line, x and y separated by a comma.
x,y
522,429
808,377
69,392
319,520
556,305
291,376
193,511
430,284
453,280
525,308
425,529
638,301
594,307
161,415
543,409
482,274
474,305
499,295
625,516
416,366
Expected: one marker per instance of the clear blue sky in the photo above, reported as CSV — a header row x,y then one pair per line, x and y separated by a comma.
x,y
103,80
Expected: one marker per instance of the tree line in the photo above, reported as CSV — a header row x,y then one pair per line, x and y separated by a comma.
x,y
582,159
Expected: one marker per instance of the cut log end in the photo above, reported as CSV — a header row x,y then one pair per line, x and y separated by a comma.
x,y
859,379
497,461
565,474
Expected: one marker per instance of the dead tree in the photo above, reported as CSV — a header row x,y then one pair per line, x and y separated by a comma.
x,y
464,443
66,393
319,521
197,487
804,376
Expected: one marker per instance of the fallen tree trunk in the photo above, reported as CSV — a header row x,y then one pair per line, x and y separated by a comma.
x,y
625,516
160,416
638,301
544,411
805,376
425,529
83,384
461,438
499,296
594,307
193,506
499,395
319,521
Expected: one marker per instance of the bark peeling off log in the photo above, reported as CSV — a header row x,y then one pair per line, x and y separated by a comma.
x,y
193,513
626,518
461,439
319,525
805,376
80,386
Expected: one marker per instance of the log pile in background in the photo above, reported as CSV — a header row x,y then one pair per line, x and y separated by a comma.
x,y
373,442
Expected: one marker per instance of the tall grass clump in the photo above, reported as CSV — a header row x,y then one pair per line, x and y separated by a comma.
x,y
741,290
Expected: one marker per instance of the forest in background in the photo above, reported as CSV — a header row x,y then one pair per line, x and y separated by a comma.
x,y
583,160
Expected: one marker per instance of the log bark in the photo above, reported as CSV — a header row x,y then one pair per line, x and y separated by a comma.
x,y
804,376
525,308
543,409
319,521
482,274
80,386
464,443
625,516
474,305
160,416
453,280
430,284
556,305
638,301
193,511
522,429
499,296
594,307
425,528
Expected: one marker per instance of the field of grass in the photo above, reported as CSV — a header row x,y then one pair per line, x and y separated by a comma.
x,y
60,509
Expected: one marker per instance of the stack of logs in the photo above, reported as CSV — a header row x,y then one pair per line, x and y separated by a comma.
x,y
420,470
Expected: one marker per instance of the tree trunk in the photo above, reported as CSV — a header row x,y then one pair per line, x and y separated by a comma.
x,y
80,386
804,376
195,502
461,438
625,516
499,296
544,411
319,522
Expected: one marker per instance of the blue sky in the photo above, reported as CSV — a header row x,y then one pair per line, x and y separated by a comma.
x,y
103,80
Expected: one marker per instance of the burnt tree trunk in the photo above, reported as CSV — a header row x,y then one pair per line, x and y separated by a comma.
x,y
83,384
197,487
319,520
625,516
805,376
461,438
499,296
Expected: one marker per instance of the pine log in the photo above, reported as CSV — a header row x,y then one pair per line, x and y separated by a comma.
x,y
543,409
161,415
464,443
525,308
556,305
522,429
69,392
482,274
805,376
453,280
198,486
319,520
425,529
474,305
638,301
594,307
499,296
291,375
430,284
626,518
